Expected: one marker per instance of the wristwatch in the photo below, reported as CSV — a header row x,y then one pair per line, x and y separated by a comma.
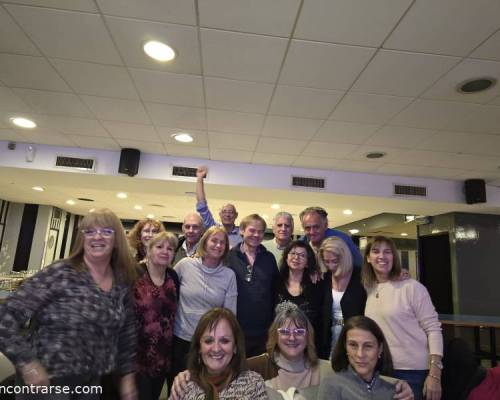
x,y
438,364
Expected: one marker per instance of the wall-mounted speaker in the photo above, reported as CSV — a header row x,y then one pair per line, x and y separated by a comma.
x,y
129,161
475,191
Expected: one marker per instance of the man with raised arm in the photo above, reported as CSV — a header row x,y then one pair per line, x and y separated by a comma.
x,y
228,213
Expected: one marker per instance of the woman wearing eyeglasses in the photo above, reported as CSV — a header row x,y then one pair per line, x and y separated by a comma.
x,y
297,265
205,282
81,319
141,234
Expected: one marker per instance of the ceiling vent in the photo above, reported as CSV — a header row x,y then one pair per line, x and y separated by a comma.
x,y
303,181
81,164
184,171
406,190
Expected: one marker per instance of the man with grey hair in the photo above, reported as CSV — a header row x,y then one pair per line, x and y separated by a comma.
x,y
192,229
283,231
315,224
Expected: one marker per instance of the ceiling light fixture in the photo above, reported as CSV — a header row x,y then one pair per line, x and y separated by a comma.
x,y
121,195
23,122
347,212
476,85
70,202
159,51
150,216
404,234
353,231
91,210
275,206
138,207
183,137
38,188
375,154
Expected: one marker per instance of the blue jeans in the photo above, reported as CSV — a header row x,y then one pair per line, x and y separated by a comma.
x,y
415,378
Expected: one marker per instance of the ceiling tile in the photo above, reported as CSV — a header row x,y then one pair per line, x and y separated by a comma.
x,y
328,150
145,147
369,108
90,142
316,162
55,103
176,11
230,141
280,146
490,49
453,27
430,114
231,155
125,131
356,22
304,102
441,173
416,157
177,116
473,162
487,145
13,39
397,136
399,169
495,101
446,87
47,137
75,126
130,36
234,122
226,94
223,55
275,18
401,73
10,101
345,132
85,37
165,87
200,138
96,79
454,142
291,128
117,109
358,165
311,64
273,159
76,5
187,151
30,72
391,154
11,135
484,119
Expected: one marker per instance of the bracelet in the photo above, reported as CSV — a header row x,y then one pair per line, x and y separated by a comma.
x,y
435,377
437,364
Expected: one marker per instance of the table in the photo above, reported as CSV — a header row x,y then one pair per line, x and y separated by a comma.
x,y
476,322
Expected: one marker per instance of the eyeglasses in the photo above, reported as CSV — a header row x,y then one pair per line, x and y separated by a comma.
x,y
299,255
297,332
104,232
249,273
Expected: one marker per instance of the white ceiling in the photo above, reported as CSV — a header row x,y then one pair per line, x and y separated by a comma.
x,y
312,83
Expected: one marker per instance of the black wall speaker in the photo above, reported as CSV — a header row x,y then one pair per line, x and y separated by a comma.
x,y
475,191
129,161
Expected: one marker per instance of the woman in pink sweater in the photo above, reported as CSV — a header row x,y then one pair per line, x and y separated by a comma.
x,y
404,311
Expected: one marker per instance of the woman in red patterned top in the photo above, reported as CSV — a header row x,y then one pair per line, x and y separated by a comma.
x,y
156,293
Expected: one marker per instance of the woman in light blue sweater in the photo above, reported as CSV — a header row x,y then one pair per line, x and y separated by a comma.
x,y
205,282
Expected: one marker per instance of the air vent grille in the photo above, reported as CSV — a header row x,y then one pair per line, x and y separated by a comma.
x,y
184,171
302,181
86,164
405,190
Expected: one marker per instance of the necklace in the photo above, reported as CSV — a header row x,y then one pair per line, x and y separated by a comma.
x,y
378,291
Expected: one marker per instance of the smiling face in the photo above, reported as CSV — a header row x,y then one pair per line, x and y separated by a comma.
x,y
98,244
253,234
192,229
297,259
314,227
161,254
228,214
217,347
147,232
363,352
291,343
381,259
215,246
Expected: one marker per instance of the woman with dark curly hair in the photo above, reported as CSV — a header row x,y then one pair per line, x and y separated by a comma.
x,y
141,234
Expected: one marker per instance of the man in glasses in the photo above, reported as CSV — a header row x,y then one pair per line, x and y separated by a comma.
x,y
315,224
256,277
283,231
228,213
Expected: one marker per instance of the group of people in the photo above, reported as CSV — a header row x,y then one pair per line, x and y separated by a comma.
x,y
218,295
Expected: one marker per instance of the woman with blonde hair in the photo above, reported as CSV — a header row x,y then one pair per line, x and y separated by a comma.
x,y
343,295
205,282
81,318
140,235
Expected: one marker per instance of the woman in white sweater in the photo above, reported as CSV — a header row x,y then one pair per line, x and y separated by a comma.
x,y
404,311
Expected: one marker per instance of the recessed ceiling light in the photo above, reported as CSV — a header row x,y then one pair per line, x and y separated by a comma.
x,y
138,207
476,85
347,212
159,51
38,188
70,202
23,122
275,206
353,231
150,216
404,234
92,210
183,137
375,154
121,195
